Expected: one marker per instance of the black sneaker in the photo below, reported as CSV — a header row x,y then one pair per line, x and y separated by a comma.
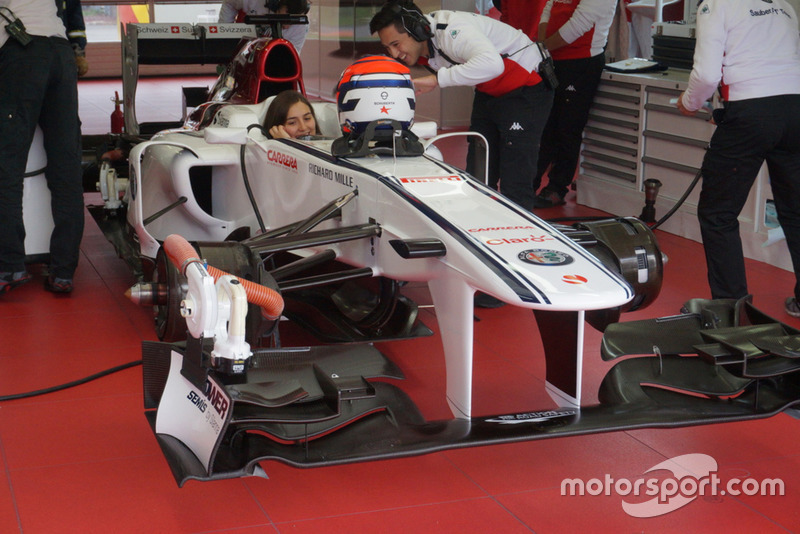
x,y
791,307
9,281
548,199
58,285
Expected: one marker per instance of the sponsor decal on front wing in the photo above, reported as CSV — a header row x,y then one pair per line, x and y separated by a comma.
x,y
544,256
531,417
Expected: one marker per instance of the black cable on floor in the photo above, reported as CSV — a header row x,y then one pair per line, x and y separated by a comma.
x,y
71,384
680,201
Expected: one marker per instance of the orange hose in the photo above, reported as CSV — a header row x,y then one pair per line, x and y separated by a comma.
x,y
181,253
113,155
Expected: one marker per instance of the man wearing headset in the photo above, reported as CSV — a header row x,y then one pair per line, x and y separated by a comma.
x,y
295,33
511,101
38,86
752,48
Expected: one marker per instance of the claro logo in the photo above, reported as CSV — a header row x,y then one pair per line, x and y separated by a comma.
x,y
518,240
282,159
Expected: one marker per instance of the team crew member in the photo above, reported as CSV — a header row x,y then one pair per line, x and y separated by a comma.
x,y
753,49
522,14
71,15
575,32
39,86
511,102
294,33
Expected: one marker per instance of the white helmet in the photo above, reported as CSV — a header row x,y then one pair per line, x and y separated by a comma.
x,y
374,88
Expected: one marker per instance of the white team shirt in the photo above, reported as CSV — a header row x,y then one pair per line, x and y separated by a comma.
x,y
40,17
295,33
585,16
476,43
752,46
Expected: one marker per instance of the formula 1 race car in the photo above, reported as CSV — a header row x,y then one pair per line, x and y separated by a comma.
x,y
325,231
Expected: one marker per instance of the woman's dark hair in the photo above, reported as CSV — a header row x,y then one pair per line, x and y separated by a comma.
x,y
295,7
279,109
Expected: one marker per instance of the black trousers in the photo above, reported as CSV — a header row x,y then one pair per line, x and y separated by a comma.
x,y
39,85
563,135
512,124
748,133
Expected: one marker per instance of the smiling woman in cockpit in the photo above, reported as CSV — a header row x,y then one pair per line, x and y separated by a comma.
x,y
290,116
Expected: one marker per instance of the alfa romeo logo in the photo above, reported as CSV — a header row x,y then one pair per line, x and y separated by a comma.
x,y
543,256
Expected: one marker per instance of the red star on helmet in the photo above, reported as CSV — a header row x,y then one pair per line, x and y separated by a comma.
x,y
384,109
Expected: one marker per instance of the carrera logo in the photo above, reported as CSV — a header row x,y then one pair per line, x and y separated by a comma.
x,y
517,240
574,279
282,159
425,179
496,228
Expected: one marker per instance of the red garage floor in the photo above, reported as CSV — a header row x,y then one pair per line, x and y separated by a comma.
x,y
85,460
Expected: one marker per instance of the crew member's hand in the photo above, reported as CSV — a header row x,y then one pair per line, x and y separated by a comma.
x,y
279,132
683,109
425,84
82,65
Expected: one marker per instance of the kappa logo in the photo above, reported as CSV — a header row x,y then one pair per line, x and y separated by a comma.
x,y
516,126
571,88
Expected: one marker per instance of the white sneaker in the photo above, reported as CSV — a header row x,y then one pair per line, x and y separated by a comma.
x,y
791,307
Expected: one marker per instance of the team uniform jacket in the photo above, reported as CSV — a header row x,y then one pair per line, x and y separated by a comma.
x,y
583,24
522,14
475,46
295,34
747,26
72,16
39,17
